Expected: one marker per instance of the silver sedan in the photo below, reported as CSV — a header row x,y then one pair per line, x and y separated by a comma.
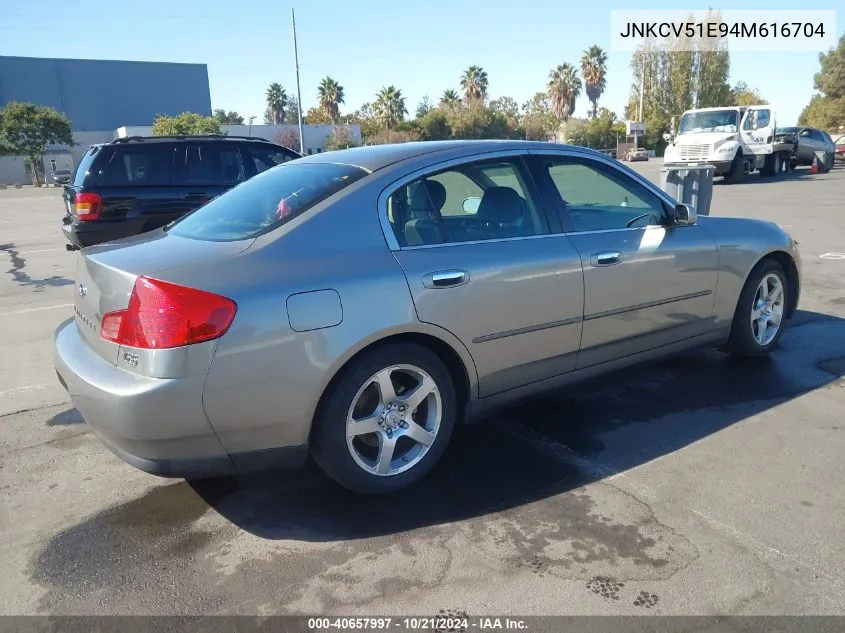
x,y
357,305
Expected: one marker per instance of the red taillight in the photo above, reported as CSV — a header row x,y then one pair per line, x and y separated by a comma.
x,y
88,206
162,315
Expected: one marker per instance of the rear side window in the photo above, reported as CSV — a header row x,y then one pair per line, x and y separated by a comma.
x,y
266,157
139,165
85,165
212,164
266,201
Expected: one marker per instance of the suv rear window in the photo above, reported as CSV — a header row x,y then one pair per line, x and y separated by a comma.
x,y
266,201
85,165
139,165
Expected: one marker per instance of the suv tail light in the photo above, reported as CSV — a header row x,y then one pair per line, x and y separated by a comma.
x,y
88,206
163,315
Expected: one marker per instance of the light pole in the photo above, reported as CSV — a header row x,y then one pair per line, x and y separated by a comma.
x,y
251,119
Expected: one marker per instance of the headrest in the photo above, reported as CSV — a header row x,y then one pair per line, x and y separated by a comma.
x,y
428,193
501,204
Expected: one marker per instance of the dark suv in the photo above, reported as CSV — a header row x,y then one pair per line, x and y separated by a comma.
x,y
138,184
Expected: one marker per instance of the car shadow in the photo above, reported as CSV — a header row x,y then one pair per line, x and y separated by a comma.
x,y
799,174
538,449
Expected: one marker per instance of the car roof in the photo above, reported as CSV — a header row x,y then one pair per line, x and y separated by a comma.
x,y
186,138
375,157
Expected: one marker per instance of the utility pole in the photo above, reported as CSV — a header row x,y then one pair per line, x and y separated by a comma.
x,y
640,110
298,92
642,92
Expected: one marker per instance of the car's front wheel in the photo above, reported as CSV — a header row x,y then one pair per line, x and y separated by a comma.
x,y
760,312
386,421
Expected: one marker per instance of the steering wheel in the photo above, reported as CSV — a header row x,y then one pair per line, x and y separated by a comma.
x,y
630,223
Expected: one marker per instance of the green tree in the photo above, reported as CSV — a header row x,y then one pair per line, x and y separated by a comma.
x,y
594,73
827,113
599,132
185,124
742,95
507,107
317,116
538,121
564,88
27,129
228,118
277,101
474,83
365,117
425,106
292,111
830,80
827,110
712,67
450,99
434,126
389,107
330,94
340,138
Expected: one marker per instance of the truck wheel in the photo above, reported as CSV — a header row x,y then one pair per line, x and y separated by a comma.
x,y
737,171
773,165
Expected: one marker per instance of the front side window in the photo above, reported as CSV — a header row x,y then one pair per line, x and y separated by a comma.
x,y
596,197
266,202
139,165
473,202
267,156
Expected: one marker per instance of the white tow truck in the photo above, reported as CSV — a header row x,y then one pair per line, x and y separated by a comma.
x,y
737,140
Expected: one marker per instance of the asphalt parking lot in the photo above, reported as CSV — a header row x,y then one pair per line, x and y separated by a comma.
x,y
701,485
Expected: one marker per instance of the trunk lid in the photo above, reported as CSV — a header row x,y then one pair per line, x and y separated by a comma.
x,y
106,274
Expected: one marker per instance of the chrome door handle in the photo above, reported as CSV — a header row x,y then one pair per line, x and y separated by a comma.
x,y
446,279
607,258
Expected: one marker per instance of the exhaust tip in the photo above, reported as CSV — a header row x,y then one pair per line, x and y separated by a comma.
x,y
71,247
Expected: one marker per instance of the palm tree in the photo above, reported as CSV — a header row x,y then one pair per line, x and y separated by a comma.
x,y
277,101
330,94
389,106
564,88
594,71
474,84
450,99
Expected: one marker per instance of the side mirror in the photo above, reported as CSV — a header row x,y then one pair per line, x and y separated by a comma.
x,y
685,215
667,137
471,204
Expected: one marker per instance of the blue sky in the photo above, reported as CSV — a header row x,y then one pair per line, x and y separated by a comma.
x,y
422,47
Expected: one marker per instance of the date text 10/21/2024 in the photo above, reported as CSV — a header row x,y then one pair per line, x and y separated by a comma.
x,y
418,624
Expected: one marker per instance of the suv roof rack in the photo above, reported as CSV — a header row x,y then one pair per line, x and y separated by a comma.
x,y
185,137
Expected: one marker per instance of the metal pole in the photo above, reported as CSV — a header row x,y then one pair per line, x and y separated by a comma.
x,y
298,92
642,90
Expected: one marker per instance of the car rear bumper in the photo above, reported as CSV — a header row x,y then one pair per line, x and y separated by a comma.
x,y
82,234
157,425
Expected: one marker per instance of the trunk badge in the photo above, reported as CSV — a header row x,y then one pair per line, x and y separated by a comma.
x,y
83,291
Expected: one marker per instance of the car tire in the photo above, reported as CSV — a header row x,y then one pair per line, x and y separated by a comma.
x,y
354,458
773,165
746,338
737,170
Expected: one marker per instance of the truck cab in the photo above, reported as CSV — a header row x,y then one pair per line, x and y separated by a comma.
x,y
736,140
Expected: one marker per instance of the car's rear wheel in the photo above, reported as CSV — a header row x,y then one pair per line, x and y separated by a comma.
x,y
386,421
760,312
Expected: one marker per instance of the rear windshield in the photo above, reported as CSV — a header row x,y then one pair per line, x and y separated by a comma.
x,y
266,201
85,165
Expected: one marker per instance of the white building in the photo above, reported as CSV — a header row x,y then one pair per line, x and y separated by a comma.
x,y
14,170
